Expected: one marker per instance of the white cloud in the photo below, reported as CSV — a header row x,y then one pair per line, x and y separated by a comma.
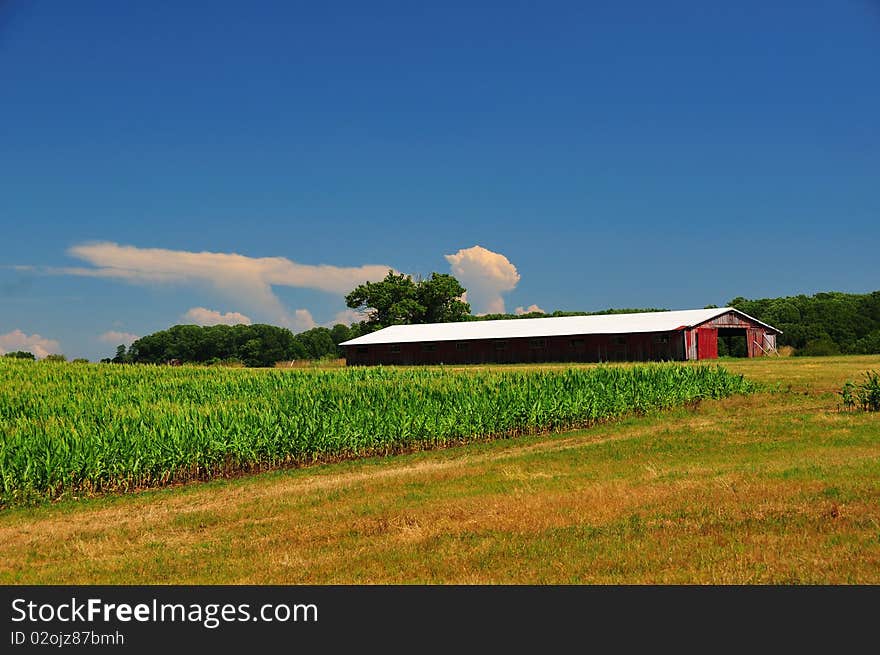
x,y
205,316
519,311
486,275
247,280
115,337
34,343
347,317
301,320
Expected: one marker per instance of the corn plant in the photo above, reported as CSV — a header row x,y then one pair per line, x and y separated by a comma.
x,y
865,395
91,428
869,392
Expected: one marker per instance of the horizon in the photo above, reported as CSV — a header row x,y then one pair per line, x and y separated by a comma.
x,y
503,317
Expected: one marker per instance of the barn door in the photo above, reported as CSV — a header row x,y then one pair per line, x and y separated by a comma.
x,y
707,343
753,337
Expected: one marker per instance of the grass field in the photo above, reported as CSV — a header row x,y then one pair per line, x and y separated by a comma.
x,y
771,487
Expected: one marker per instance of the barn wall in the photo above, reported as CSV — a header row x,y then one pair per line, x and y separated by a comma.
x,y
574,348
729,320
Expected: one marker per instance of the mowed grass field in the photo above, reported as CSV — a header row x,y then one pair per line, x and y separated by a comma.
x,y
773,487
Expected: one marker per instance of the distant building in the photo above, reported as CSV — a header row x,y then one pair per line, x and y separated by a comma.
x,y
678,335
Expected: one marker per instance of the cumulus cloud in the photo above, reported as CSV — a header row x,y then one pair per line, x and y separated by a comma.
x,y
247,280
205,316
347,317
34,343
301,320
519,311
115,337
486,275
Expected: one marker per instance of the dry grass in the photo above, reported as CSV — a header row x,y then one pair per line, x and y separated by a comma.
x,y
776,487
311,363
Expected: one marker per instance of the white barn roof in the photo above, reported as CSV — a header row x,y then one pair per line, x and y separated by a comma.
x,y
546,327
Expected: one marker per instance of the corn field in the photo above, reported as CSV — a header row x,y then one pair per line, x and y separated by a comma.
x,y
67,430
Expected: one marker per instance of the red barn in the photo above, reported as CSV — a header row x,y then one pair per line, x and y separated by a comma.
x,y
677,335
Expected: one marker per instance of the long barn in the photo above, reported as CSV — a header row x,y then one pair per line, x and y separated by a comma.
x,y
675,335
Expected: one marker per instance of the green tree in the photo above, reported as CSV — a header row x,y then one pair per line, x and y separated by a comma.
x,y
55,358
121,355
868,344
256,345
316,343
340,333
440,295
20,354
389,302
818,347
252,352
398,299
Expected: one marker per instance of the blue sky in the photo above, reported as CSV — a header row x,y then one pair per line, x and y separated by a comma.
x,y
600,154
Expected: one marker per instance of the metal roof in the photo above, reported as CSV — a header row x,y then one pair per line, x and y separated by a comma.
x,y
546,327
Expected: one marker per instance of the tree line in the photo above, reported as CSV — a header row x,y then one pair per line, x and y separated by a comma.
x,y
249,345
822,324
829,323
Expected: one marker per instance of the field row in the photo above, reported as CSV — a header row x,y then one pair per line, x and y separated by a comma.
x,y
82,429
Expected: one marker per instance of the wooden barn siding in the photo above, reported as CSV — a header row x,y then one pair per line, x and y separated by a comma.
x,y
707,342
707,334
690,344
575,348
728,320
753,336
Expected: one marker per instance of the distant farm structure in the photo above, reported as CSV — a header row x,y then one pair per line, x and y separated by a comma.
x,y
676,335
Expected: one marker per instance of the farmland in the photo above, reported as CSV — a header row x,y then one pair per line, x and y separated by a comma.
x,y
776,486
82,429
